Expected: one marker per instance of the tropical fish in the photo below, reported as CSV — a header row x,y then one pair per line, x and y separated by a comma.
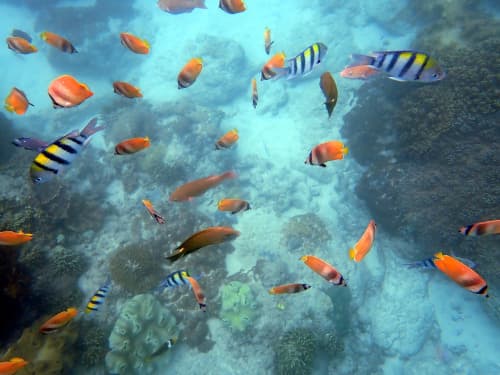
x,y
198,187
98,298
198,293
189,73
205,237
269,70
481,228
58,321
56,157
181,6
328,151
65,91
134,43
227,140
126,89
289,288
20,45
132,145
325,270
461,274
31,144
304,62
233,205
21,34
329,88
402,65
12,366
162,349
10,238
174,279
232,6
58,42
267,40
17,102
363,246
429,263
255,94
149,206
358,72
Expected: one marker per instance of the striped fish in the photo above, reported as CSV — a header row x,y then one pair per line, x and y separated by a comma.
x,y
98,297
58,155
304,62
174,279
402,65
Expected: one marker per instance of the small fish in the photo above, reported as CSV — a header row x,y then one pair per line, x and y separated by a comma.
x,y
65,92
329,88
267,40
429,263
134,43
328,151
31,144
269,70
255,94
181,6
363,246
126,89
461,274
232,6
56,157
132,145
233,205
10,238
289,288
198,293
402,66
149,206
58,42
227,140
21,34
358,72
98,298
189,73
58,321
198,187
177,278
12,366
162,349
325,270
304,63
481,228
205,237
20,45
17,101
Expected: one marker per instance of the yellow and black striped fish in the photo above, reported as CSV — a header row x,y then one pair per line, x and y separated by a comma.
x,y
304,62
402,65
98,298
174,279
59,154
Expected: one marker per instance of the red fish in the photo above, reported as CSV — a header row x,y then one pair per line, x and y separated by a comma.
x,y
12,366
20,45
325,270
58,321
189,73
289,288
17,102
198,293
198,187
65,92
134,43
358,72
58,42
363,246
132,145
481,228
277,61
227,140
232,6
149,206
10,238
328,151
233,205
126,89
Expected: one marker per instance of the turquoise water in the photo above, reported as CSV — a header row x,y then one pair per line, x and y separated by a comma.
x,y
89,224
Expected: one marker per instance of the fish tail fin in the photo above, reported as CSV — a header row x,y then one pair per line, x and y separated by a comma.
x,y
345,150
352,253
91,128
178,253
358,59
439,255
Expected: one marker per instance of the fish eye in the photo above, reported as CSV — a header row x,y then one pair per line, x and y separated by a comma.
x,y
435,75
38,179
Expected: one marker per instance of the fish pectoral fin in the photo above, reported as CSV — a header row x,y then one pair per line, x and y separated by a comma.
x,y
323,165
397,79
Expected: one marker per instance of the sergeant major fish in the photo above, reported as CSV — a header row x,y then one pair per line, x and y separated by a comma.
x,y
304,62
174,279
98,298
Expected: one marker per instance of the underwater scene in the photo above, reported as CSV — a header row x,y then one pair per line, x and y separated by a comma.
x,y
250,187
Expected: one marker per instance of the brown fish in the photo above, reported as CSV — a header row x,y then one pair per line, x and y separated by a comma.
x,y
58,42
198,187
205,237
181,6
20,45
329,88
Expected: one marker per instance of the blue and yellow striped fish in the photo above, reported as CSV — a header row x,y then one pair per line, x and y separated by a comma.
x,y
402,65
174,279
59,154
304,62
98,297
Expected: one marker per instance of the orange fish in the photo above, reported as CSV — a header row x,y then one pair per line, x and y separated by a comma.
x,y
255,95
277,61
481,228
12,366
58,41
267,40
232,6
329,88
134,43
126,89
289,288
358,72
58,321
65,92
233,205
10,238
463,275
205,237
363,246
17,102
325,270
198,187
328,151
132,145
189,73
198,293
227,140
20,45
149,206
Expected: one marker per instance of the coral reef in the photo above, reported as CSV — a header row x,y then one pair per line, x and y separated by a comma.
x,y
143,326
294,352
304,230
92,342
239,309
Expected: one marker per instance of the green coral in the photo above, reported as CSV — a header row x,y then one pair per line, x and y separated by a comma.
x,y
238,305
294,352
